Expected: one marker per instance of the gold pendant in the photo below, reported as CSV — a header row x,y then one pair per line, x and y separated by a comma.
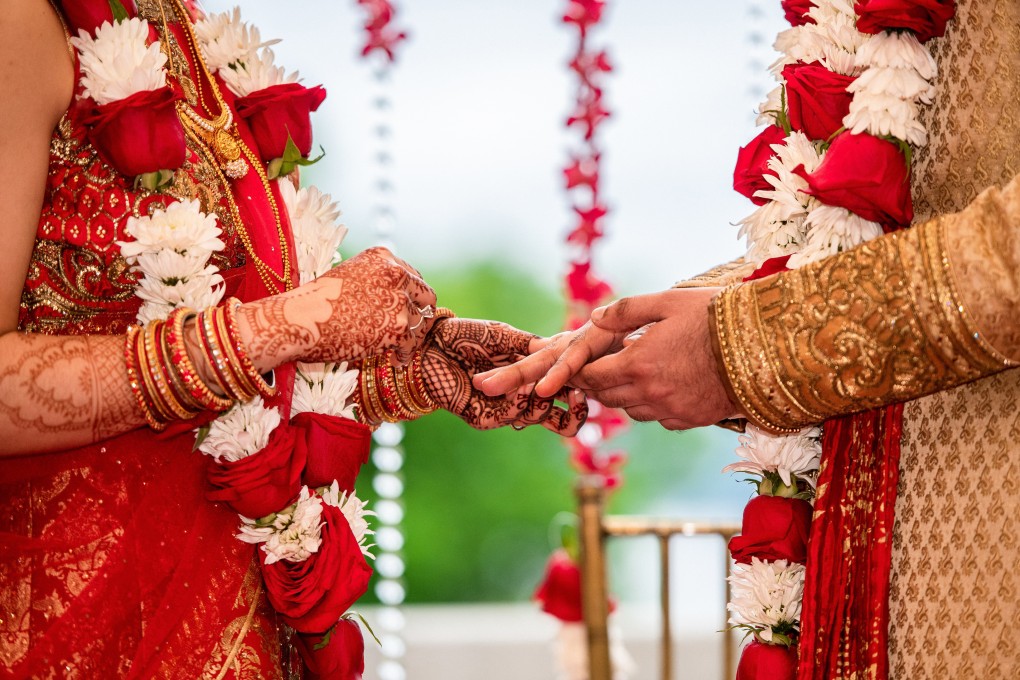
x,y
228,153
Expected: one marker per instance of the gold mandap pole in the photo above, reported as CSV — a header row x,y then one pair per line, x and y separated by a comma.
x,y
590,492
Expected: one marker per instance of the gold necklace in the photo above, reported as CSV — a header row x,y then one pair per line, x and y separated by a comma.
x,y
218,140
219,131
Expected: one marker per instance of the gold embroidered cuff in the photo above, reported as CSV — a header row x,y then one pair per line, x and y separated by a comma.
x,y
884,323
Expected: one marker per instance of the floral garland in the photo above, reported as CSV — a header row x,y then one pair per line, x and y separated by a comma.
x,y
291,483
829,171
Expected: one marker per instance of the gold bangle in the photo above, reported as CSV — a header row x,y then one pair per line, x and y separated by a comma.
x,y
390,395
148,371
134,379
366,376
236,347
416,383
219,359
194,386
404,395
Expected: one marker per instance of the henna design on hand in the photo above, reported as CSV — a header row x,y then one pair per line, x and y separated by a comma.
x,y
364,306
457,349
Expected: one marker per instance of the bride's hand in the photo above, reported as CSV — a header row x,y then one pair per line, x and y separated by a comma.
x,y
457,349
367,305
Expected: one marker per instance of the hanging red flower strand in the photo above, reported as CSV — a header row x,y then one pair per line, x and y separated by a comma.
x,y
585,290
380,35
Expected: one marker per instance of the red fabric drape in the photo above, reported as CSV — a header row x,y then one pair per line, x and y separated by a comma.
x,y
845,618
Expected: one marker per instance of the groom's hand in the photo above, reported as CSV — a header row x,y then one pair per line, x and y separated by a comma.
x,y
650,355
666,370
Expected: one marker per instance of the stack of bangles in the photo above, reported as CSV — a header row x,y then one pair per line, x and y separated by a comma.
x,y
164,379
394,393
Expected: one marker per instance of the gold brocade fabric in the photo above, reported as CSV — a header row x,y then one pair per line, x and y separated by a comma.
x,y
955,590
892,320
932,309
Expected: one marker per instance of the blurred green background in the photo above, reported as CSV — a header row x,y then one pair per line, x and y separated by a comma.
x,y
479,506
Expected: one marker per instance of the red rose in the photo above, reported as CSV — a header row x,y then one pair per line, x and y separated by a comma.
x,y
277,111
343,658
774,528
771,266
816,99
140,133
264,482
89,15
752,163
866,175
560,591
337,448
926,18
796,11
759,661
312,595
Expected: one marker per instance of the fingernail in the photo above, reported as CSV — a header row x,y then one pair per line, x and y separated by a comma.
x,y
598,313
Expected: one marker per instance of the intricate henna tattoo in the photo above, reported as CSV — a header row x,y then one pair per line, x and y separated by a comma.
x,y
457,349
116,407
65,391
360,308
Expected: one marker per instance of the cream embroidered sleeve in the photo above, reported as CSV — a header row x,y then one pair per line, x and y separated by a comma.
x,y
899,317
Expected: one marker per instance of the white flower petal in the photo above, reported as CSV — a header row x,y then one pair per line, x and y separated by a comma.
x,y
117,63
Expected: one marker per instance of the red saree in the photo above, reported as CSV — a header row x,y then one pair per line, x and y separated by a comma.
x,y
112,561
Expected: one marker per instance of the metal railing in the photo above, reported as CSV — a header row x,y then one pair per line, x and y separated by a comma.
x,y
595,527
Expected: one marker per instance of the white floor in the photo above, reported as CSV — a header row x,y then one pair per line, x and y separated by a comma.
x,y
513,642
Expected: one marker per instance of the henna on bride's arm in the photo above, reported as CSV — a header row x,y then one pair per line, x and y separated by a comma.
x,y
57,392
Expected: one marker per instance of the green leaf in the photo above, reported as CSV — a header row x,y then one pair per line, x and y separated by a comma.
x,y
154,181
351,615
119,13
325,639
203,432
291,159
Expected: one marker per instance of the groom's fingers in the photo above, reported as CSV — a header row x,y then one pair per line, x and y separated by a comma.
x,y
630,313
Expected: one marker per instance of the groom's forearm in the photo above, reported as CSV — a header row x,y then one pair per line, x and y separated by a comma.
x,y
905,315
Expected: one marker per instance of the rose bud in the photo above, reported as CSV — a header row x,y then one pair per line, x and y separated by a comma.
x,y
752,163
816,99
774,528
760,661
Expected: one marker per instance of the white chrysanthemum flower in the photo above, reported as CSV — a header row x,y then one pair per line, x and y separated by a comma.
x,y
313,217
571,651
153,311
768,108
240,432
799,454
181,226
832,230
766,595
197,293
827,11
832,42
326,389
792,44
903,83
170,267
354,510
293,534
882,115
897,50
257,73
771,231
117,63
227,42
778,227
197,290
